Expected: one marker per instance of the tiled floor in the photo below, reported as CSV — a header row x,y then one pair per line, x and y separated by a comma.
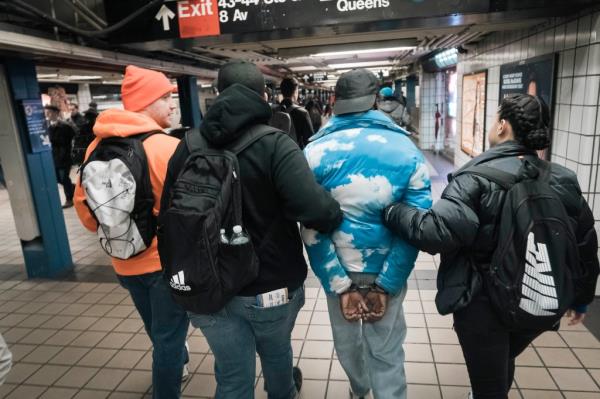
x,y
81,337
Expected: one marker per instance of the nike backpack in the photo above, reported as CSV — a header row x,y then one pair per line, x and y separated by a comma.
x,y
118,191
203,272
531,278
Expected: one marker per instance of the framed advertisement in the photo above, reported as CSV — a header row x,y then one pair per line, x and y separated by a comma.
x,y
474,91
534,76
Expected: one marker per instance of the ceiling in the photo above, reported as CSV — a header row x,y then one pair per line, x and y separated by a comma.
x,y
389,48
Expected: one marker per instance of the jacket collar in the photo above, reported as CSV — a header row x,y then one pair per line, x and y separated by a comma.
x,y
368,120
504,150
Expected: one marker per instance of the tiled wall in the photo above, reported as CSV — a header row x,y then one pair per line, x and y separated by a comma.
x,y
432,91
84,96
576,40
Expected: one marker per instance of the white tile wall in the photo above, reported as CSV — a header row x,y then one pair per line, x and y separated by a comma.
x,y
432,91
576,133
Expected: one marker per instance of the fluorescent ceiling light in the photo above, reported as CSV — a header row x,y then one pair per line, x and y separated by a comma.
x,y
47,75
365,64
84,77
367,51
304,68
384,69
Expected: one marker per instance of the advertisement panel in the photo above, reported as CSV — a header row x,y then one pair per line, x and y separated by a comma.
x,y
473,113
534,76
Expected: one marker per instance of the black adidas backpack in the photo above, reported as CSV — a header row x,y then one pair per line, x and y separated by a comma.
x,y
531,278
118,191
203,273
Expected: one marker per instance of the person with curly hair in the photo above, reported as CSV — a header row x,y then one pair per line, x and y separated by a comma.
x,y
464,227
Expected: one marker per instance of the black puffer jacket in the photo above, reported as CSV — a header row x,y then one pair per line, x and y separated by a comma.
x,y
278,188
462,225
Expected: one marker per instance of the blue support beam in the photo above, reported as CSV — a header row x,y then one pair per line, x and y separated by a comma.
x,y
411,97
189,101
48,255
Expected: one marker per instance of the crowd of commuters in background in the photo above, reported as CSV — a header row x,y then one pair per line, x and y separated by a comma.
x,y
204,229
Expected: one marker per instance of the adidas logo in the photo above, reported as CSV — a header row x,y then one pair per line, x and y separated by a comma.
x,y
178,282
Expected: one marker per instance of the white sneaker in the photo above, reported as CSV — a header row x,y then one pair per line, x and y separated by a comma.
x,y
470,396
186,373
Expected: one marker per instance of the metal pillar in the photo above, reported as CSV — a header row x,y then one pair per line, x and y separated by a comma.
x,y
43,235
411,98
398,87
189,101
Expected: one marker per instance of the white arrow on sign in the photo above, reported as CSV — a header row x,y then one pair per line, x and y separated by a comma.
x,y
166,15
45,140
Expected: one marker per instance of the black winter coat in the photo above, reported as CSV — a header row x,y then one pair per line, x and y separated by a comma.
x,y
61,137
301,120
278,189
462,225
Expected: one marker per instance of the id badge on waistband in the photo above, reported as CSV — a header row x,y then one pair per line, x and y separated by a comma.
x,y
272,298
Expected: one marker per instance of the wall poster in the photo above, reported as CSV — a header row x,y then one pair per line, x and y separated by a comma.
x,y
473,113
534,76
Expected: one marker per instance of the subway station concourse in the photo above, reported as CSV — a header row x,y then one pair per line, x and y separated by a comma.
x,y
74,331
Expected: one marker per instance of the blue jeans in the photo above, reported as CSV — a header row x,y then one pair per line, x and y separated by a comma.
x,y
240,330
371,354
166,324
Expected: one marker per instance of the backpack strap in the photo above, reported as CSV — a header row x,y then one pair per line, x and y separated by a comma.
x,y
143,136
194,140
251,136
503,179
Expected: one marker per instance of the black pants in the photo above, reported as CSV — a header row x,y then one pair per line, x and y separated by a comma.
x,y
62,176
489,348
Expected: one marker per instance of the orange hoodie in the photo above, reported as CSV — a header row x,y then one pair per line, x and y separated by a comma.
x,y
159,149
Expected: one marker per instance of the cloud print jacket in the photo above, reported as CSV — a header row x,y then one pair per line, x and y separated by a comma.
x,y
366,162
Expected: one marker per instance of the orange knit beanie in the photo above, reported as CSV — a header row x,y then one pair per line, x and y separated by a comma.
x,y
141,87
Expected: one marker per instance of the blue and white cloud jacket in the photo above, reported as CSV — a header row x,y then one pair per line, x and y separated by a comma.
x,y
366,162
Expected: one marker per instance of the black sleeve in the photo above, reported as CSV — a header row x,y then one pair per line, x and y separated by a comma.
x,y
451,223
303,126
70,130
587,242
304,200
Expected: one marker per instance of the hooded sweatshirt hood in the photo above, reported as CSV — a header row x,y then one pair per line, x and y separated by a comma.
x,y
235,109
120,123
388,104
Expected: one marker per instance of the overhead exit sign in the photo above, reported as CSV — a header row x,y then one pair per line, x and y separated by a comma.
x,y
199,18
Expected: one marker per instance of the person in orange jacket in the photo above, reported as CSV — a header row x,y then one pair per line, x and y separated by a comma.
x,y
146,97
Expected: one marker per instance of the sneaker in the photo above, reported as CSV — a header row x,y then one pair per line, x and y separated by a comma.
x,y
470,395
68,204
297,375
186,373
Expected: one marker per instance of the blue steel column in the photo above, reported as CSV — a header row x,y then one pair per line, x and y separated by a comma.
x,y
48,255
411,98
189,101
398,87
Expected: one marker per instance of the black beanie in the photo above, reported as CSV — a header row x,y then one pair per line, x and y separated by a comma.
x,y
242,72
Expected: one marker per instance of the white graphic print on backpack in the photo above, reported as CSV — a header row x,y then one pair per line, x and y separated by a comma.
x,y
538,287
118,191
